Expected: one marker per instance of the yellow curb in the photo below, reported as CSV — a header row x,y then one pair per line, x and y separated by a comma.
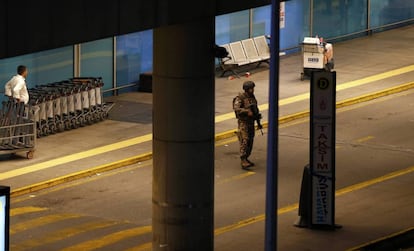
x,y
78,175
383,239
378,94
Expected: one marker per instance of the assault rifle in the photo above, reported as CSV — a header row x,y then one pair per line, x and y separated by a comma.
x,y
257,116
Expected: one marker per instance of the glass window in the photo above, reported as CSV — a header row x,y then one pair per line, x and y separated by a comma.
x,y
385,12
133,56
97,61
333,18
261,21
296,25
232,27
44,67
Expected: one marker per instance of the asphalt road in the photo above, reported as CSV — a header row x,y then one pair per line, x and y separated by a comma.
x,y
112,210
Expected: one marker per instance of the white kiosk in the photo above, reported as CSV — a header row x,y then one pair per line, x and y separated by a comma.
x,y
316,56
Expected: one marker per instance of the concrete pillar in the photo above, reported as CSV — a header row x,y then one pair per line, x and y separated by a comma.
x,y
183,141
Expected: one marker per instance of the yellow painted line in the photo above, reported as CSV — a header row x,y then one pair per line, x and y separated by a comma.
x,y
137,231
109,239
376,77
295,206
253,220
144,247
226,134
75,177
224,117
25,210
82,174
381,239
378,94
236,177
62,234
227,141
239,224
375,181
339,104
90,245
365,139
75,156
292,207
40,221
340,87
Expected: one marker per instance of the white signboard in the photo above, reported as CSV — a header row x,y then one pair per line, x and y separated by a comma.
x,y
282,16
313,60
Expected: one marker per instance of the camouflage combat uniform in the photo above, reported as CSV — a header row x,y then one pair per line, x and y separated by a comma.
x,y
246,129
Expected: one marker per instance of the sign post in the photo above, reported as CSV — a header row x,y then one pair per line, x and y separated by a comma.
x,y
4,217
322,149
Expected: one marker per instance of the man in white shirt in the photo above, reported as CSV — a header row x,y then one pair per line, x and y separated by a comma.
x,y
16,87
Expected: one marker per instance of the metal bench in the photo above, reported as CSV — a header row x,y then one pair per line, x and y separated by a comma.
x,y
244,52
254,52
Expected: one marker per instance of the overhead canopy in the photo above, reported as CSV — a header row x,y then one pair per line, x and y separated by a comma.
x,y
28,26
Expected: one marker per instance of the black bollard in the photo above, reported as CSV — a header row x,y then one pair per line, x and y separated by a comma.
x,y
304,211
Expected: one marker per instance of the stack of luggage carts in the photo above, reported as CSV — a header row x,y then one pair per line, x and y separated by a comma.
x,y
17,131
67,105
52,108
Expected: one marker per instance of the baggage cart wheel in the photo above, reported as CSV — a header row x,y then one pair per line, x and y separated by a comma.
x,y
67,125
39,132
82,121
60,126
45,131
104,115
52,129
74,124
30,154
101,116
88,120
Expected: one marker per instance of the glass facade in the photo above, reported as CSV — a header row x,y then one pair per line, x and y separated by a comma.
x,y
96,60
232,27
384,12
296,25
335,18
133,56
261,19
44,67
133,52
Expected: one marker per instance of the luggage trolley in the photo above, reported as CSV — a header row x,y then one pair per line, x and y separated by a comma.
x,y
17,128
316,56
68,104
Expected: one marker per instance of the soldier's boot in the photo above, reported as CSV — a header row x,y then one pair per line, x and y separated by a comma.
x,y
245,164
251,163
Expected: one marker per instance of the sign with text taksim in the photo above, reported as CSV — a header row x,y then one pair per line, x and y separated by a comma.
x,y
322,148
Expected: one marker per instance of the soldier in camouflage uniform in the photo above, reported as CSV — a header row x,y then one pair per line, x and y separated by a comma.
x,y
245,108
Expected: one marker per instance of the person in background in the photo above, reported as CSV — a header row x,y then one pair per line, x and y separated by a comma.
x,y
328,60
16,87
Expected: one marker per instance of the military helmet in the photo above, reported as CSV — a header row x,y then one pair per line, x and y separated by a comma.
x,y
248,85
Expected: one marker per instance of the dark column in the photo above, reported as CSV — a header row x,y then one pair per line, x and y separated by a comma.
x,y
183,141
